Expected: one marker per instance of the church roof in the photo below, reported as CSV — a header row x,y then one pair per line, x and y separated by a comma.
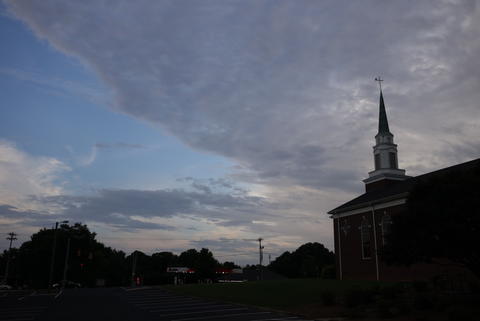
x,y
402,188
383,121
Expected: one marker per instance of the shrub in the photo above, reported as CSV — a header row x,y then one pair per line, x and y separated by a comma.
x,y
384,309
328,272
355,313
420,286
423,302
461,313
328,298
391,292
355,297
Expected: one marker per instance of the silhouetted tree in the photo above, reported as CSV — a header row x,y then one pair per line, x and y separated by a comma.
x,y
88,259
203,262
307,261
188,258
230,265
442,221
206,264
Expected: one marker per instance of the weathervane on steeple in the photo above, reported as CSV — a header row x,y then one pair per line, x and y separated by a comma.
x,y
379,82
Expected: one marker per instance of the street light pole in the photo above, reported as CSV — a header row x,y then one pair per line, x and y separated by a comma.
x,y
134,266
52,262
65,266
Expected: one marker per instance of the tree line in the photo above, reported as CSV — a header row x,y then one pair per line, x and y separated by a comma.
x,y
91,263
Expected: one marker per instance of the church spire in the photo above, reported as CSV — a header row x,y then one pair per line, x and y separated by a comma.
x,y
382,119
385,153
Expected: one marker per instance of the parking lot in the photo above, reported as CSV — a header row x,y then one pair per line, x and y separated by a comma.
x,y
22,305
168,306
146,304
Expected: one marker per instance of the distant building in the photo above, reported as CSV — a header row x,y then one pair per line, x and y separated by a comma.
x,y
360,225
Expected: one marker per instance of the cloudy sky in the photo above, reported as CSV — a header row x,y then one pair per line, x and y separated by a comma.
x,y
168,125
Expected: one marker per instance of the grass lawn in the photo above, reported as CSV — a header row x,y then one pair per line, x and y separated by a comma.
x,y
317,298
283,294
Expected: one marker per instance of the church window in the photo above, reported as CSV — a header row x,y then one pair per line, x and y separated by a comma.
x,y
393,160
345,227
386,225
377,161
366,239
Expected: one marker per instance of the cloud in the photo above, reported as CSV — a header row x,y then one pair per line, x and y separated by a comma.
x,y
59,85
119,145
23,175
282,88
116,206
91,157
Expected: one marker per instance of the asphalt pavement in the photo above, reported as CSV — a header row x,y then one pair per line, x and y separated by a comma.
x,y
125,304
24,305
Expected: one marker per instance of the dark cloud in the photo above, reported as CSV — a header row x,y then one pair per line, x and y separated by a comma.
x,y
132,209
282,87
119,145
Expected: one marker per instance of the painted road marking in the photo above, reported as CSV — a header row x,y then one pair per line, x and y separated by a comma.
x,y
167,302
221,316
197,306
203,311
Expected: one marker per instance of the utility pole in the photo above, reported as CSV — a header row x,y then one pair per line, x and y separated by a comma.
x,y
260,250
134,266
11,237
260,253
65,266
52,261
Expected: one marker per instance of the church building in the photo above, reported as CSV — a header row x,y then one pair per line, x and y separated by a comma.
x,y
360,225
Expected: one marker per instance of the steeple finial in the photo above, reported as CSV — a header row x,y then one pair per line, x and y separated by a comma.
x,y
382,119
379,79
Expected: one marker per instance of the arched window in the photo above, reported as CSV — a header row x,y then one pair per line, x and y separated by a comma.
x,y
386,225
345,227
365,236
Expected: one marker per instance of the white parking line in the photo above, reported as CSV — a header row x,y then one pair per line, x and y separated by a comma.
x,y
154,296
137,289
38,307
19,314
221,316
196,306
281,319
278,318
203,311
160,302
150,294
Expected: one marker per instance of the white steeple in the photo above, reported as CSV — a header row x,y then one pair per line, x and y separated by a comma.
x,y
384,152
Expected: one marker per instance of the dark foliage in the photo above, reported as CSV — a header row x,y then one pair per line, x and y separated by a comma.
x,y
442,221
307,261
91,263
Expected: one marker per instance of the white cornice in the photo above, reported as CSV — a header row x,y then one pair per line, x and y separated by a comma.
x,y
369,208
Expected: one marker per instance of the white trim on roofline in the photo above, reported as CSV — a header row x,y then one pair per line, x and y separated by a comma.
x,y
369,208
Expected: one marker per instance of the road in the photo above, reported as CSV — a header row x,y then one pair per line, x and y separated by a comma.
x,y
120,304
